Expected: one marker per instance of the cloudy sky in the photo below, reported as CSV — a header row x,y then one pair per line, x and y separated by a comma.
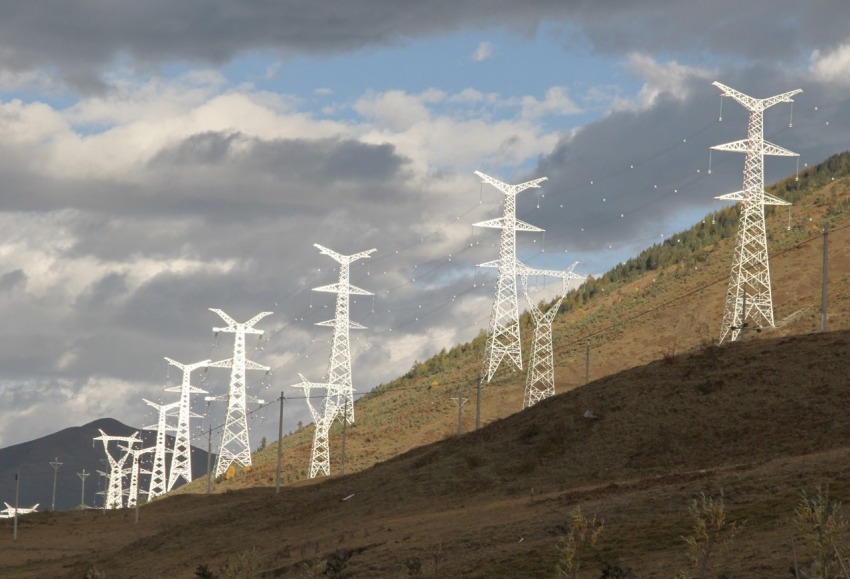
x,y
160,158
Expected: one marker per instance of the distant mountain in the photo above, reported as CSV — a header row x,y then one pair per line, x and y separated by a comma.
x,y
75,448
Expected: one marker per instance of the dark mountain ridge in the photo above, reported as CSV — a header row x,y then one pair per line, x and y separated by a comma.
x,y
75,448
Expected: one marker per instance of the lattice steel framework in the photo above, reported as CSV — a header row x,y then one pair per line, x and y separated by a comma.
x,y
749,280
340,388
504,338
10,512
181,458
235,445
135,471
540,381
115,478
320,460
157,486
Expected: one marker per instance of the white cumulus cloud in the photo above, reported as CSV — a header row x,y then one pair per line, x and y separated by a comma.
x,y
483,51
832,66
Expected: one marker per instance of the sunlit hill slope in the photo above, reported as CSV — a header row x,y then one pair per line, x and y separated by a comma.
x,y
667,415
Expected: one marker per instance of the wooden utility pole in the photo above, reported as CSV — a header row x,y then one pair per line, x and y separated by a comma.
x,y
55,464
279,447
824,279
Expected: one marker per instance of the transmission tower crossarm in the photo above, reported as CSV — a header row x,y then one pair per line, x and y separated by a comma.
x,y
777,151
565,276
500,223
251,365
335,288
343,258
332,323
735,146
771,200
742,195
768,148
233,325
230,321
497,223
510,189
755,104
523,226
221,363
188,367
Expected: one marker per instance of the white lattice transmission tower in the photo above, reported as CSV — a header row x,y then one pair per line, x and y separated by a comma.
x,y
181,457
135,471
320,459
235,445
158,482
540,380
340,389
115,478
504,338
749,280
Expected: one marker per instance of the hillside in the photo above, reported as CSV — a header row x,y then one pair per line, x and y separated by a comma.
x,y
77,452
669,299
495,502
673,415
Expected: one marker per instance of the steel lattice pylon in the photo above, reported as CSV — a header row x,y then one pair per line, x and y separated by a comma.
x,y
135,471
115,484
320,461
540,381
235,446
504,338
340,388
749,281
181,458
157,486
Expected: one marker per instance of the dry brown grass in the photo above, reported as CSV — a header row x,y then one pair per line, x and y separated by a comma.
x,y
761,420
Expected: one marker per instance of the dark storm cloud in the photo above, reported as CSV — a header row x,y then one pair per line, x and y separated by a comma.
x,y
78,39
650,166
761,31
320,162
12,280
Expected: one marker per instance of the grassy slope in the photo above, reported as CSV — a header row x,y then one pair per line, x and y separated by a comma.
x,y
640,317
494,502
